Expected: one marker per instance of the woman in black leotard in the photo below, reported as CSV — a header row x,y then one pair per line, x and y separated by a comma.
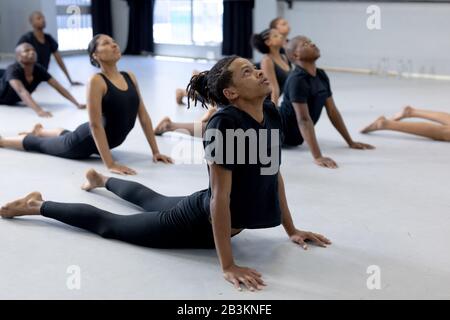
x,y
114,103
275,65
242,194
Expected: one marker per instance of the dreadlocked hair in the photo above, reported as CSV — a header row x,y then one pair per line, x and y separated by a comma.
x,y
207,87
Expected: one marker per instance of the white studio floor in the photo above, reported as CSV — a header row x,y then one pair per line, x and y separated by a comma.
x,y
389,207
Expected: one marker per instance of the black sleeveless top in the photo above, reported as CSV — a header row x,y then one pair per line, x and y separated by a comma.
x,y
119,109
281,75
254,199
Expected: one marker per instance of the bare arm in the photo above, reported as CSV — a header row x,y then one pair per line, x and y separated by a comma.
x,y
221,179
338,122
296,236
63,67
25,96
147,127
306,127
268,68
66,94
95,92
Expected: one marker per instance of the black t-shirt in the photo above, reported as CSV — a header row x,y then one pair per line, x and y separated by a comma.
x,y
254,201
301,87
44,50
16,72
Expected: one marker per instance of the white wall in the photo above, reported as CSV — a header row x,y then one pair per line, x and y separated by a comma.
x,y
14,20
120,18
411,34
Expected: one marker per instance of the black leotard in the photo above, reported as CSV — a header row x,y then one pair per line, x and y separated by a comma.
x,y
119,109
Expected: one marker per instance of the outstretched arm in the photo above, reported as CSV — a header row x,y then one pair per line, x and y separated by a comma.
x,y
338,122
296,236
221,179
268,69
96,89
63,67
306,127
66,94
147,127
23,93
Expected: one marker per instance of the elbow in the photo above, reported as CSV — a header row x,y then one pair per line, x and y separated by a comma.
x,y
95,126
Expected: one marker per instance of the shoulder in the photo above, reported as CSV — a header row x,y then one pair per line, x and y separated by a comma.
x,y
132,76
322,73
48,36
97,82
271,110
13,70
267,61
26,37
225,118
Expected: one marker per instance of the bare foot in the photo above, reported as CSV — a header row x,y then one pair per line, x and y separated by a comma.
x,y
35,131
180,94
30,205
376,125
405,113
94,180
163,126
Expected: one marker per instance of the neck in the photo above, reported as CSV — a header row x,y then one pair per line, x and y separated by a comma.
x,y
253,107
309,66
275,52
109,69
38,32
28,68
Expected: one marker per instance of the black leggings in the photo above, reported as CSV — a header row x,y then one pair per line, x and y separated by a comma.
x,y
170,222
78,144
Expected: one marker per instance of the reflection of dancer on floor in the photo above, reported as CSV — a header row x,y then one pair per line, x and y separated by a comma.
x,y
440,132
239,196
114,104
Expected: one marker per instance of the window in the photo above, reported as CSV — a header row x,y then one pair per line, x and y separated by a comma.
x,y
190,22
74,23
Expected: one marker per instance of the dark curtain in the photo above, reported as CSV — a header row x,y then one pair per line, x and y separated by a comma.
x,y
237,27
140,33
101,17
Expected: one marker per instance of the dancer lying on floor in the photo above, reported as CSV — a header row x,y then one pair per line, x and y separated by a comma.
x,y
439,131
306,93
114,103
241,194
20,79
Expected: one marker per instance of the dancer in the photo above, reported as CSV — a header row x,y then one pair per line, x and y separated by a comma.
x,y
275,65
114,103
44,44
438,132
239,196
307,91
22,78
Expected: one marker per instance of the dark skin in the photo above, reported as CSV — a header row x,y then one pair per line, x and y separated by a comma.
x,y
304,53
37,21
26,56
247,93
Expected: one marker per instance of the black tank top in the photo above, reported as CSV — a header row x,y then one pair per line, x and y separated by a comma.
x,y
119,109
281,75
